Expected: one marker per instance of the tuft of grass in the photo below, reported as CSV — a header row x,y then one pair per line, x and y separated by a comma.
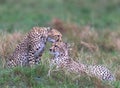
x,y
8,42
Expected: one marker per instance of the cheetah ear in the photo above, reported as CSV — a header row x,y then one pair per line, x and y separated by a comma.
x,y
69,45
49,28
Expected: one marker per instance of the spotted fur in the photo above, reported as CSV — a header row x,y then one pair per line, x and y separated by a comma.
x,y
62,59
29,51
100,72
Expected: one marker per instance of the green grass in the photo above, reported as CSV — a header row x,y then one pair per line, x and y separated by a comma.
x,y
24,14
37,78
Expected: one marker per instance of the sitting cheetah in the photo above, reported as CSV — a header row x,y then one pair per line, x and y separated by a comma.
x,y
62,60
29,51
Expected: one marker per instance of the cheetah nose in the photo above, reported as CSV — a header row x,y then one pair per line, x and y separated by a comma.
x,y
50,49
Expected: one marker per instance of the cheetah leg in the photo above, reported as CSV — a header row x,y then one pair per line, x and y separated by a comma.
x,y
11,64
49,72
31,59
50,69
35,54
51,66
39,51
76,77
38,54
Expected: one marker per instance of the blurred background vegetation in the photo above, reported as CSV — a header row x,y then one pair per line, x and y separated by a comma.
x,y
23,14
92,26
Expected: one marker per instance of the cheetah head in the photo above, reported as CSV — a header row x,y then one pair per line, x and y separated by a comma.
x,y
59,49
54,35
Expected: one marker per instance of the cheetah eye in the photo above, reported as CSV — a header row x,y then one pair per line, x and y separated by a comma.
x,y
55,45
61,54
41,36
37,49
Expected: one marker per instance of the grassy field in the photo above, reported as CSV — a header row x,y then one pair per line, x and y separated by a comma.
x,y
92,26
24,14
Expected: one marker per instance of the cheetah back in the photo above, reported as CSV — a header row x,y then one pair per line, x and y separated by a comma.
x,y
101,72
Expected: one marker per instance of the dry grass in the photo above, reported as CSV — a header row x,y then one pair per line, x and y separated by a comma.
x,y
90,47
8,42
106,39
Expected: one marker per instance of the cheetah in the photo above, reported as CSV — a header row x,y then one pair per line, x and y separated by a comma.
x,y
29,51
101,72
61,59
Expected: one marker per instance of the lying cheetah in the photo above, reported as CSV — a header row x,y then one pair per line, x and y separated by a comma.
x,y
100,72
62,60
29,51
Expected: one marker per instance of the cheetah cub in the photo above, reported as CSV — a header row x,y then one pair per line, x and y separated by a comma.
x,y
61,59
29,51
